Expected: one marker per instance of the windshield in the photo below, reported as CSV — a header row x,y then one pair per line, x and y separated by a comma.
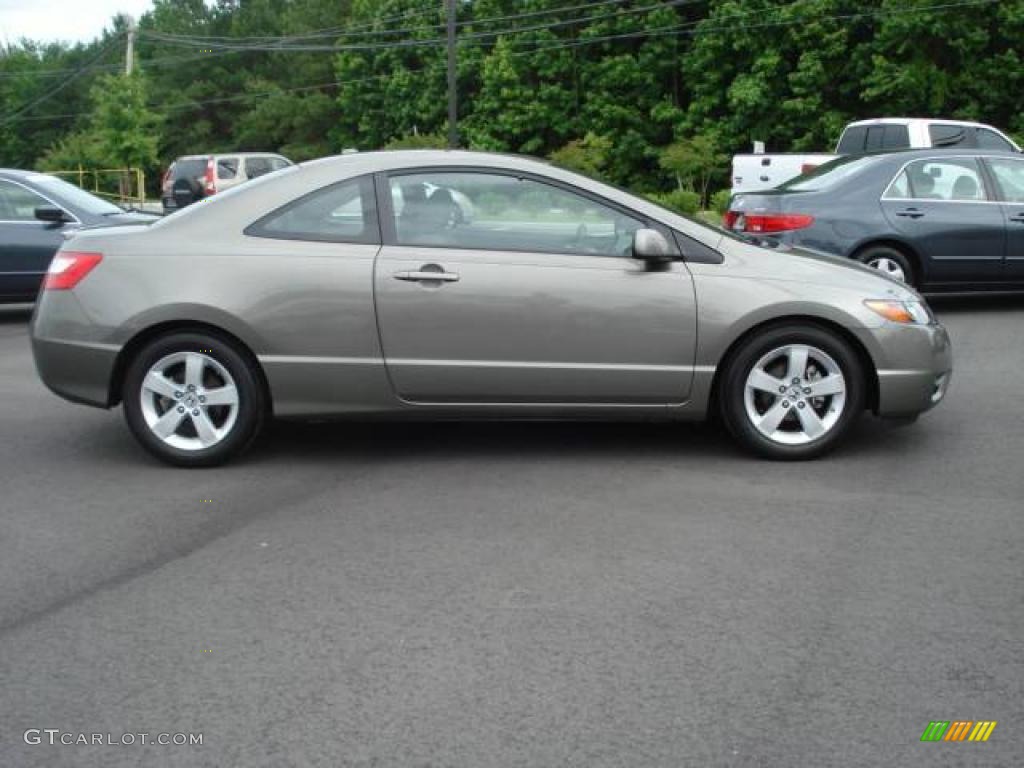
x,y
827,175
189,167
74,196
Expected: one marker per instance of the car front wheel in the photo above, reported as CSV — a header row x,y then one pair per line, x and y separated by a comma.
x,y
192,399
792,392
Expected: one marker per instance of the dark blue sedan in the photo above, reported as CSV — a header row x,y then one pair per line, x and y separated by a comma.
x,y
940,220
36,212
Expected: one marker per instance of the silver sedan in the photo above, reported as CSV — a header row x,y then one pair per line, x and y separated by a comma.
x,y
430,284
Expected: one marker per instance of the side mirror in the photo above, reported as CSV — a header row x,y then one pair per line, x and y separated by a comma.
x,y
651,245
52,214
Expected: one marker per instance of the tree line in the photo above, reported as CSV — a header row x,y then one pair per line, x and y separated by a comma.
x,y
651,94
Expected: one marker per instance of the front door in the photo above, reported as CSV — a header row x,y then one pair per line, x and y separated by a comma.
x,y
499,288
1008,173
944,207
26,244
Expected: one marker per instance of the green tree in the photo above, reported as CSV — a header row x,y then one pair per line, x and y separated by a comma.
x,y
588,155
419,141
126,130
74,151
694,163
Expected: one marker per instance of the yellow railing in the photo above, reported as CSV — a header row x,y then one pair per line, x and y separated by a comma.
x,y
123,185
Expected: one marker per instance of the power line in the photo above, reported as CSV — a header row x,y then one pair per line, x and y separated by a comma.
x,y
61,86
436,40
325,32
347,31
228,99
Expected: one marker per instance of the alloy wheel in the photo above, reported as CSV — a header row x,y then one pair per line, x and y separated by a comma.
x,y
189,401
795,394
889,267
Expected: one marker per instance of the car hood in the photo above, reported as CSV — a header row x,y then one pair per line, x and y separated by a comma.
x,y
799,266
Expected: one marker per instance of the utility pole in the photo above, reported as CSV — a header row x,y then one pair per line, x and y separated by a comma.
x,y
129,53
453,111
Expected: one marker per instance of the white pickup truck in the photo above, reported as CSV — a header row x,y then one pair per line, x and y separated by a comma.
x,y
759,171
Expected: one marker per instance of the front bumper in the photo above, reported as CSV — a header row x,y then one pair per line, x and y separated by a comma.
x,y
914,365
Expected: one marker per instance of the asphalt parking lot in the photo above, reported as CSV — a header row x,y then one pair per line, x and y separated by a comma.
x,y
519,594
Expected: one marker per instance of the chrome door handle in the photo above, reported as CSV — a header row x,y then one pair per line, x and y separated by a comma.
x,y
910,213
1018,218
420,275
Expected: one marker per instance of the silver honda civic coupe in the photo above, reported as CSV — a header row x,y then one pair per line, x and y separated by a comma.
x,y
451,284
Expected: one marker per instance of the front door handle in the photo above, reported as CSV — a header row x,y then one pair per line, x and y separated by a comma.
x,y
427,273
910,213
1018,218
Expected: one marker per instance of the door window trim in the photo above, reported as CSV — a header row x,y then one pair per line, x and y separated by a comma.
x,y
387,214
37,193
373,237
995,179
982,172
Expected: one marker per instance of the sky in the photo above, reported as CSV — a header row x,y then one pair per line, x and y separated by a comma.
x,y
69,20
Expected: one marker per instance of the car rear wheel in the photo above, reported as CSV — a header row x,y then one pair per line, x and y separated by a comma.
x,y
792,392
891,262
192,399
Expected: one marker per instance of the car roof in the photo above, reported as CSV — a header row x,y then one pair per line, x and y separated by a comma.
x,y
387,159
19,173
909,120
228,154
907,155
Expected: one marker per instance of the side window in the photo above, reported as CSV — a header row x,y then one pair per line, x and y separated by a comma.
x,y
342,213
991,140
506,213
896,137
256,166
277,163
852,140
899,189
874,139
1009,178
227,167
952,179
18,203
945,135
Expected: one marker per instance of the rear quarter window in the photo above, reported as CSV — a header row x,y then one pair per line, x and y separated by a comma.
x,y
945,135
991,140
896,137
189,168
852,141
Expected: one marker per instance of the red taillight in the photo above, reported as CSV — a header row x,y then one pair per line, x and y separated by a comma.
x,y
68,268
807,168
774,222
209,180
729,219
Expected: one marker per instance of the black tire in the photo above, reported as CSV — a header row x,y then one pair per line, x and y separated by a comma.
x,y
874,254
733,395
251,401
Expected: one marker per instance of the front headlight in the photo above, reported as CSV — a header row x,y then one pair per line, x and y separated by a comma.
x,y
909,312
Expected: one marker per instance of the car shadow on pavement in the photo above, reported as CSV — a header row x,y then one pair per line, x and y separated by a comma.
x,y
286,442
15,313
452,439
975,303
537,440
